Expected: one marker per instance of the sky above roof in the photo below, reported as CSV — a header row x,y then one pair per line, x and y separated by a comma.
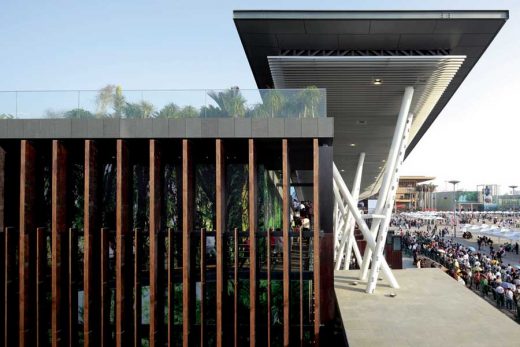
x,y
190,45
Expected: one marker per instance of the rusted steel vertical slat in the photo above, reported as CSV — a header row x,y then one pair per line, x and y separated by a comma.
x,y
187,228
2,198
253,220
2,237
138,263
235,291
171,286
2,279
72,265
156,258
41,305
26,251
59,236
10,253
268,246
220,190
202,286
316,239
91,229
123,253
300,246
286,240
104,297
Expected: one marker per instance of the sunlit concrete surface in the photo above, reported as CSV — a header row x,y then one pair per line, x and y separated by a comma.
x,y
430,309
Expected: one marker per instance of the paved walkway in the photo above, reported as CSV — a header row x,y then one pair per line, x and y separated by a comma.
x,y
430,309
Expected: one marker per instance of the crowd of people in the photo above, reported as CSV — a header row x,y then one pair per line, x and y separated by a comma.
x,y
481,271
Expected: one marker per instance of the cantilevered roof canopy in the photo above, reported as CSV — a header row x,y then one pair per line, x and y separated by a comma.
x,y
346,51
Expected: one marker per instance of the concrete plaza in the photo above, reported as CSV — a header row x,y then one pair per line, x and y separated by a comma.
x,y
430,309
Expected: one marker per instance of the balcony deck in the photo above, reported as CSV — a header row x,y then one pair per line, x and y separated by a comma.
x,y
430,309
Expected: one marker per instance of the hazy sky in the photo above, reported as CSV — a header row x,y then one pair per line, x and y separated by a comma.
x,y
194,44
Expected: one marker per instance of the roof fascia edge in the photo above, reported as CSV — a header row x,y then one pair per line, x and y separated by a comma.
x,y
374,15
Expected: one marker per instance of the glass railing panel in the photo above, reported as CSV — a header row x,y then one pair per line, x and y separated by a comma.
x,y
113,102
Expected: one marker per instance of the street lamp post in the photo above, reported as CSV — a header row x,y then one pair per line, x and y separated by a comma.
x,y
454,182
513,188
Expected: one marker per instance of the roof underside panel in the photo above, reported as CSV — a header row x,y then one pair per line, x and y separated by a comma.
x,y
365,113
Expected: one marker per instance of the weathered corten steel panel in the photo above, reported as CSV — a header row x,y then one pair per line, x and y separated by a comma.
x,y
91,256
26,249
138,264
59,237
72,287
156,256
187,228
42,308
220,175
203,340
286,201
10,287
253,224
316,250
105,292
123,247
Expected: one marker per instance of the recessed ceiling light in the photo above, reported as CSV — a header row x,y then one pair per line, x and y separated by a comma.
x,y
352,145
377,81
342,170
375,177
361,122
380,167
383,161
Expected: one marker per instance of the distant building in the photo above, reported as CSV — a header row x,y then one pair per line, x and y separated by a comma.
x,y
413,196
466,201
485,198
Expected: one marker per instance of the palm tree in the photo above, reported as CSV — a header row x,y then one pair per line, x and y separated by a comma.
x,y
118,101
143,109
310,98
188,112
231,102
105,99
78,113
273,101
170,110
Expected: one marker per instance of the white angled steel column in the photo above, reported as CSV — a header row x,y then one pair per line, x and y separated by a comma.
x,y
352,205
348,234
381,239
344,212
336,227
391,163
